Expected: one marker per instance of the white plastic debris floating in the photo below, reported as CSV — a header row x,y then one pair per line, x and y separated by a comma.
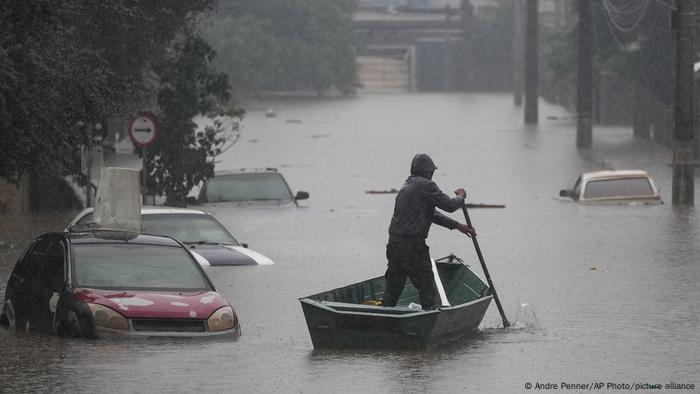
x,y
118,200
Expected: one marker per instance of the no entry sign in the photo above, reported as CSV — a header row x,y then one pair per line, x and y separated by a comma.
x,y
143,129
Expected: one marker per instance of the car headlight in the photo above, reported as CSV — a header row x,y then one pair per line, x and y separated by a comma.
x,y
108,317
223,319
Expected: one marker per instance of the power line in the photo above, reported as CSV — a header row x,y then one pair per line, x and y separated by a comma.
x,y
619,16
627,8
630,23
669,6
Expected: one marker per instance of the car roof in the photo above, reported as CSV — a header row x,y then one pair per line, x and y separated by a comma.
x,y
611,174
246,171
159,210
150,210
103,236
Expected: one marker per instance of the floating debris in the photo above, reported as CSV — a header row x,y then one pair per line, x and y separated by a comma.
x,y
296,165
270,113
382,191
293,120
551,117
394,191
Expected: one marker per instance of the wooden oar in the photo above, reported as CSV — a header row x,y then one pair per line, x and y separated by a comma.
x,y
485,206
506,324
394,191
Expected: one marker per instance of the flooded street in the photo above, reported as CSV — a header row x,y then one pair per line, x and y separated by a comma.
x,y
595,293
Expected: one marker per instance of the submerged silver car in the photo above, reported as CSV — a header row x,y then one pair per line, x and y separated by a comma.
x,y
249,187
208,240
623,187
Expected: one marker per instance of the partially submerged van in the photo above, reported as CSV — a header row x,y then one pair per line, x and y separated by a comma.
x,y
624,187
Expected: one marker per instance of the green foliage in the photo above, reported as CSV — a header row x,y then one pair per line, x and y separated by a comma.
x,y
181,157
285,45
642,57
48,83
493,53
65,65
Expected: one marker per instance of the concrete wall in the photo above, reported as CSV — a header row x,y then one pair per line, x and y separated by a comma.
x,y
379,74
14,199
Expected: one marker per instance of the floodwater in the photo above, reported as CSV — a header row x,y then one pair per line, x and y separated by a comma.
x,y
595,293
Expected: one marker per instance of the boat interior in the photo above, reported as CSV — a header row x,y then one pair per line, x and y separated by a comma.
x,y
460,283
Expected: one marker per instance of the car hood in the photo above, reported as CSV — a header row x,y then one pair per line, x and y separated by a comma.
x,y
156,305
227,255
251,203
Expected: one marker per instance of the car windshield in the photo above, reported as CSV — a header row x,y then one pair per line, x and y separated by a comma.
x,y
247,187
625,187
136,266
188,228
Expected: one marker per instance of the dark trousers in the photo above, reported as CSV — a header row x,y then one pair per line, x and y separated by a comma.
x,y
412,260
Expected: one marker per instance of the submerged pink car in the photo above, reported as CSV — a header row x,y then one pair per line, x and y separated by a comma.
x,y
106,283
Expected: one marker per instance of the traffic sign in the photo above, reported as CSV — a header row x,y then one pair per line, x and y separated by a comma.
x,y
143,129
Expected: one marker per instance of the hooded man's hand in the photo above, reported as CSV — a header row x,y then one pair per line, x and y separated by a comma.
x,y
461,193
468,230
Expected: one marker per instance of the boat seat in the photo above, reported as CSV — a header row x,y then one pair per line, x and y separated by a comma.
x,y
386,310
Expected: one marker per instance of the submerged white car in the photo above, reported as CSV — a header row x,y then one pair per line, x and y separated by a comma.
x,y
623,187
208,240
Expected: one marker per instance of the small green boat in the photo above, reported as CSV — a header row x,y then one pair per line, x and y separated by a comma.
x,y
348,317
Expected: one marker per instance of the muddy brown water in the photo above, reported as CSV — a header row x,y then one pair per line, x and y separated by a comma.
x,y
596,294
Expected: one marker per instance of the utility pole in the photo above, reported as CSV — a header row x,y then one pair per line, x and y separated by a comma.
x,y
468,48
448,81
518,56
531,110
641,125
683,188
584,88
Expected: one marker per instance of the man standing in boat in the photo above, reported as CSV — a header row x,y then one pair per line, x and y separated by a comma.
x,y
414,212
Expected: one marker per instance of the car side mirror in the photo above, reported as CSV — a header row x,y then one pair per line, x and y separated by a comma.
x,y
191,200
565,193
301,195
244,244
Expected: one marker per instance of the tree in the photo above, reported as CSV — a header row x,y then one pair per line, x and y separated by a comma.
x,y
285,45
48,83
181,158
59,70
640,57
60,73
492,41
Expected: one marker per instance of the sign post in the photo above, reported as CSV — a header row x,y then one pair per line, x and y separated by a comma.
x,y
143,131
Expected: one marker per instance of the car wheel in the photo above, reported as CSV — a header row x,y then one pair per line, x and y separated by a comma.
x,y
7,319
59,327
73,329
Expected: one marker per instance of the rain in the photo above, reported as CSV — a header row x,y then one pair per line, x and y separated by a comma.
x,y
519,102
